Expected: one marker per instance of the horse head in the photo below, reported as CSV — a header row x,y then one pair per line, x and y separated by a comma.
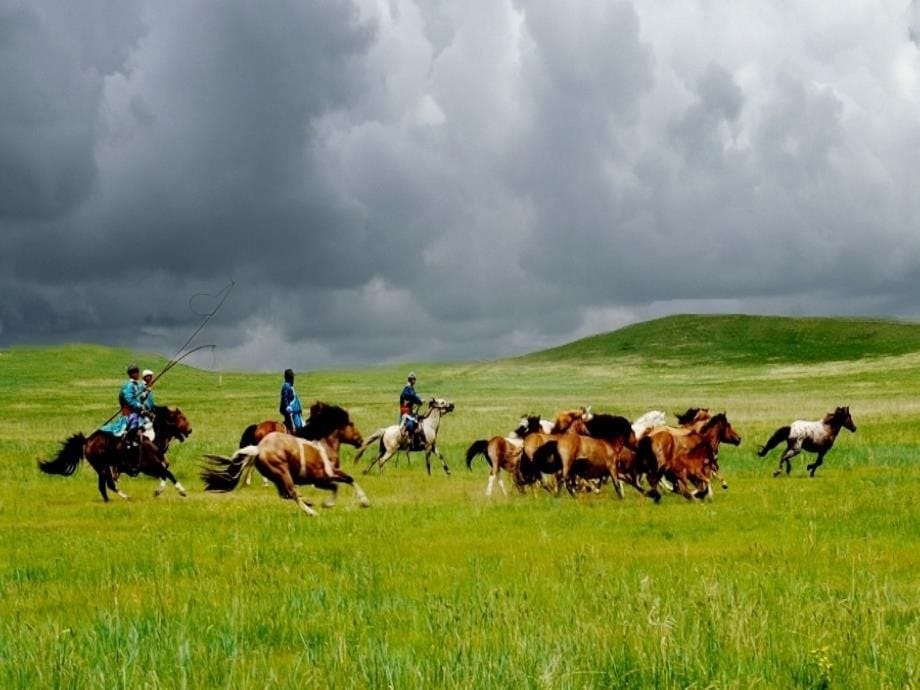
x,y
350,435
171,422
441,404
529,424
727,433
841,416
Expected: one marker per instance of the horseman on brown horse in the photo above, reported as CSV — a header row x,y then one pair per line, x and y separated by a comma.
x,y
134,442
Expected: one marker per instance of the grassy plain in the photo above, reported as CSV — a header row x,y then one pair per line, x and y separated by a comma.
x,y
776,583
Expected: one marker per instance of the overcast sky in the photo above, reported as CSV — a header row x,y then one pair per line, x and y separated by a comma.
x,y
393,181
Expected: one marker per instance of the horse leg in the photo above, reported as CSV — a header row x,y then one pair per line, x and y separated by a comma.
x,y
165,474
105,480
816,464
434,447
328,486
287,489
617,482
787,455
381,459
359,492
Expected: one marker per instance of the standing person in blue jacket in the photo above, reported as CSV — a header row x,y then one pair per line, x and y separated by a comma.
x,y
408,400
290,407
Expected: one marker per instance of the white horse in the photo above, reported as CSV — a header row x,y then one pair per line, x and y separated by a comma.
x,y
649,420
393,438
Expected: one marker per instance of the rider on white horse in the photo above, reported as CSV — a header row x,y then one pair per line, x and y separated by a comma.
x,y
408,400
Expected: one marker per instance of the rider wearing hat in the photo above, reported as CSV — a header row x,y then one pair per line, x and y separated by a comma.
x,y
147,393
408,399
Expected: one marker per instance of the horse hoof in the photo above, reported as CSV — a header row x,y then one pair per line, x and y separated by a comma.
x,y
777,473
328,503
364,503
725,486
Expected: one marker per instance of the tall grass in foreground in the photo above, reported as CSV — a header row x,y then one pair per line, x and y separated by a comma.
x,y
789,582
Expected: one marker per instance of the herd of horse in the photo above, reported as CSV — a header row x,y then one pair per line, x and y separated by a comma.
x,y
578,450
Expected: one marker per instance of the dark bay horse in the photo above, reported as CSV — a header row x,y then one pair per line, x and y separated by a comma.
x,y
815,437
289,461
109,456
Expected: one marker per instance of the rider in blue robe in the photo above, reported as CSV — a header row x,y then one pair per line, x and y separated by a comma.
x,y
132,407
289,406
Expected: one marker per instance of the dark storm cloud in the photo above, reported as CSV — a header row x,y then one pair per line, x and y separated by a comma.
x,y
391,181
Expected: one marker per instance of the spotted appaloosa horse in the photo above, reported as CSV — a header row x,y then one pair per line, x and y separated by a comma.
x,y
815,437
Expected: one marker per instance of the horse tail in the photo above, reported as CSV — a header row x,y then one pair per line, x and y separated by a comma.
x,y
780,435
479,447
249,436
68,458
368,442
646,462
542,458
223,474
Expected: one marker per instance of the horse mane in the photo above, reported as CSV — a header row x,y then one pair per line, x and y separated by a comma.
x,y
690,415
719,418
323,420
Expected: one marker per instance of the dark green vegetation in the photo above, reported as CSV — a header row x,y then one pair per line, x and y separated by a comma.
x,y
789,582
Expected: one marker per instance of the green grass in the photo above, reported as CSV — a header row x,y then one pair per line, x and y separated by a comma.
x,y
776,583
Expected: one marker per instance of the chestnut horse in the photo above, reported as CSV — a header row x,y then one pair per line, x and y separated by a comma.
x,y
288,461
504,453
815,437
592,449
685,455
109,457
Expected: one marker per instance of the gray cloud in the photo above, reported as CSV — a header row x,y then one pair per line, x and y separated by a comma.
x,y
392,181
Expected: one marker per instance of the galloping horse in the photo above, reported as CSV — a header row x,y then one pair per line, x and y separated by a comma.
x,y
109,457
504,453
288,461
393,438
592,449
815,437
685,455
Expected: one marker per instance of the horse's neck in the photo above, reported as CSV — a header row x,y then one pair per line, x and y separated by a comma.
x,y
331,444
711,436
432,421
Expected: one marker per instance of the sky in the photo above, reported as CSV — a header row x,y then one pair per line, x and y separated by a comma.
x,y
392,181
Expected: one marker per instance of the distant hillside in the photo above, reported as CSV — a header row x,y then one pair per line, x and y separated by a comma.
x,y
745,340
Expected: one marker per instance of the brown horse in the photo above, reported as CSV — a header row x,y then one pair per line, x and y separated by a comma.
x,y
592,450
504,453
815,437
288,461
685,455
110,458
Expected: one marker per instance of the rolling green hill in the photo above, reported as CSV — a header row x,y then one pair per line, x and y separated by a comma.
x,y
742,339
